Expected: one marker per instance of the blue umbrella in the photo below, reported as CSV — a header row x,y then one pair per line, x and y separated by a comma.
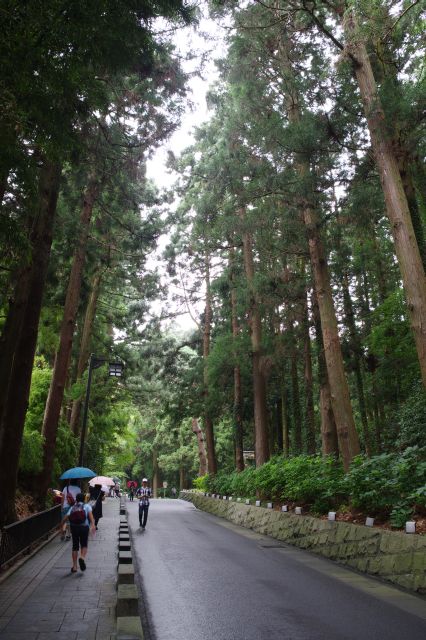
x,y
77,472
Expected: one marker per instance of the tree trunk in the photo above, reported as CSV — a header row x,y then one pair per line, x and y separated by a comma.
x,y
339,390
15,314
155,479
286,422
330,444
208,423
201,447
340,398
181,477
279,423
386,69
404,166
259,380
13,418
11,333
62,359
84,352
295,403
309,383
406,247
355,346
238,400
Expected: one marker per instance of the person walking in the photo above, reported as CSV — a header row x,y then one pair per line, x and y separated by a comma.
x,y
96,497
69,494
81,519
174,492
144,494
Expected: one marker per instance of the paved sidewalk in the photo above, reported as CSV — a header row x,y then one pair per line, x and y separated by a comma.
x,y
42,600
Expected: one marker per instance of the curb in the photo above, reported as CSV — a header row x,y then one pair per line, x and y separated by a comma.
x,y
129,625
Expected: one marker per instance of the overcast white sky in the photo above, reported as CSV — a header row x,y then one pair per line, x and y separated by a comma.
x,y
205,45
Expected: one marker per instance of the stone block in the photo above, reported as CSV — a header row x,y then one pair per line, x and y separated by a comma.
x,y
341,532
393,542
125,557
124,545
368,547
127,600
419,561
129,628
126,574
403,562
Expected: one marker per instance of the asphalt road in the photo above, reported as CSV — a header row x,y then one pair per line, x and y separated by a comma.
x,y
206,579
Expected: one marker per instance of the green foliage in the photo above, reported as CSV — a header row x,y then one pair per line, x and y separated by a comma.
x,y
411,420
31,455
40,382
201,483
66,451
388,484
400,514
380,484
391,341
310,480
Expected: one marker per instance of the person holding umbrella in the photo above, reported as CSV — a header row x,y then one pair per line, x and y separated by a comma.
x,y
80,517
97,495
70,492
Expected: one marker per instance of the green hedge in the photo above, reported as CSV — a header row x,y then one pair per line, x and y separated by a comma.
x,y
388,484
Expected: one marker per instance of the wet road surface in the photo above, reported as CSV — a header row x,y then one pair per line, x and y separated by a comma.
x,y
207,579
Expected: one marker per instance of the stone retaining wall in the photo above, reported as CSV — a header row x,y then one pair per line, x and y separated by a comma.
x,y
397,557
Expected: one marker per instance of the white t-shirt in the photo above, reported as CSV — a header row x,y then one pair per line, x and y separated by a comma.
x,y
73,491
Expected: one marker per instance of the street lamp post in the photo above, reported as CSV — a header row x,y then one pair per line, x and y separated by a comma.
x,y
115,371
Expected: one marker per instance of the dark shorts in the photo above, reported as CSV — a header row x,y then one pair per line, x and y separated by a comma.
x,y
80,535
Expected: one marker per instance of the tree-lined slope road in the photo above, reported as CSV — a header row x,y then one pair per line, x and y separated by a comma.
x,y
205,579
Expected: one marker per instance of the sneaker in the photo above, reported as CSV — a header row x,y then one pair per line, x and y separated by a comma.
x,y
68,538
82,564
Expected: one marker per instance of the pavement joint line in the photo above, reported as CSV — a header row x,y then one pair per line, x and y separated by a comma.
x,y
19,563
34,582
44,582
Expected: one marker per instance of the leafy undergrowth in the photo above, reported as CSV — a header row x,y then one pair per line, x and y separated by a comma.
x,y
390,487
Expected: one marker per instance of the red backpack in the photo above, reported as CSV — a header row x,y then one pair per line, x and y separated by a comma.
x,y
77,514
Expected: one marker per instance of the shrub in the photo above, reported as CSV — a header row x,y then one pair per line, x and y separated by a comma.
x,y
389,484
387,481
31,454
201,483
411,419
